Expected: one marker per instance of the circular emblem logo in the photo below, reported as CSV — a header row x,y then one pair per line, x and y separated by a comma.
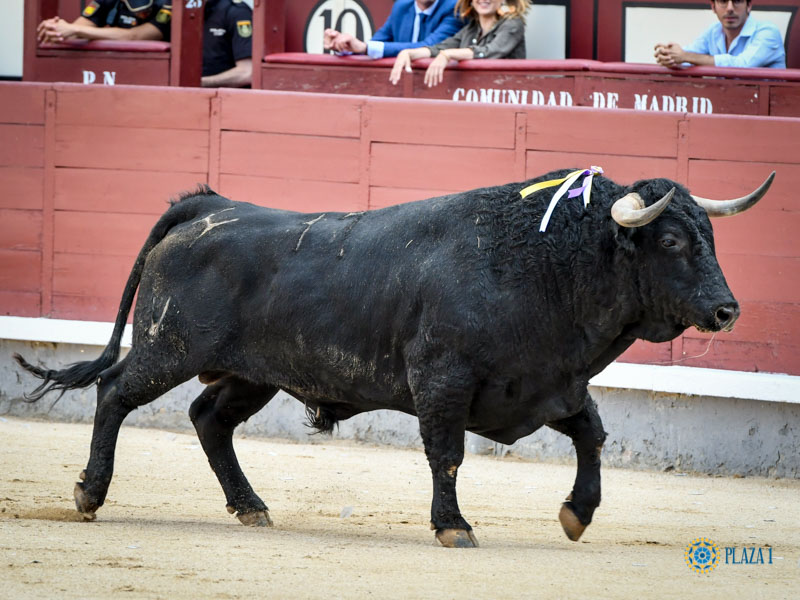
x,y
701,555
347,16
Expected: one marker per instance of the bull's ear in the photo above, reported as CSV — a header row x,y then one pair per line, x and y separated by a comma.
x,y
623,237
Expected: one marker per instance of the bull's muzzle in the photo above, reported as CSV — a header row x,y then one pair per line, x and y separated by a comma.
x,y
725,316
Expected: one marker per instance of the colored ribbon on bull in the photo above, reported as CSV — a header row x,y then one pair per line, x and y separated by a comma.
x,y
566,182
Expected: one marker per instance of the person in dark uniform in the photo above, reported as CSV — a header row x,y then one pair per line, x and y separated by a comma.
x,y
112,20
227,44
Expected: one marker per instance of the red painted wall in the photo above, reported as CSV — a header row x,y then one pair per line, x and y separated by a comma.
x,y
87,170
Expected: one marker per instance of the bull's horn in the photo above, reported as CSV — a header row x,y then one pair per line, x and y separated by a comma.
x,y
630,211
726,208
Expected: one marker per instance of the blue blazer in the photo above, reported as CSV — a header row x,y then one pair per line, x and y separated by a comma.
x,y
396,32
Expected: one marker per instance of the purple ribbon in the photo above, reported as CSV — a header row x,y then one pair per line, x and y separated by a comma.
x,y
587,181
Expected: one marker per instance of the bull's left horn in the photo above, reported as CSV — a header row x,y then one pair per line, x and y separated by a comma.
x,y
726,208
630,210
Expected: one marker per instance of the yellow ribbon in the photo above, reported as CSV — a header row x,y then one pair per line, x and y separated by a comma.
x,y
546,184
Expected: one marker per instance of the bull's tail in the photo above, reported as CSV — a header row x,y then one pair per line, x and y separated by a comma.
x,y
85,373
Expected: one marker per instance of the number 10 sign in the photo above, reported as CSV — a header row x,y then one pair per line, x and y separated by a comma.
x,y
347,16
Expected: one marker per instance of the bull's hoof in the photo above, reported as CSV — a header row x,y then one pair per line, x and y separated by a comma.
x,y
82,503
456,538
259,518
570,522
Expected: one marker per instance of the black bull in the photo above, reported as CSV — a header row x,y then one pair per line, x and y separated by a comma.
x,y
455,309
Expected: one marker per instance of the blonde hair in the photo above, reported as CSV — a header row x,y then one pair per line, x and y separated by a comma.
x,y
508,9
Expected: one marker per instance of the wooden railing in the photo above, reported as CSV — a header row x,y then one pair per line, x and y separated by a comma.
x,y
704,90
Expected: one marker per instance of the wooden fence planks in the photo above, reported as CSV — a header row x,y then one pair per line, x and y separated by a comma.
x,y
98,190
300,114
131,149
290,156
436,167
21,145
292,194
20,229
380,197
22,187
602,132
112,157
622,169
436,124
740,138
133,107
114,234
21,103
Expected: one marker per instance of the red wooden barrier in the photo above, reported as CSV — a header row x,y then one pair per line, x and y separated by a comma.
x,y
83,187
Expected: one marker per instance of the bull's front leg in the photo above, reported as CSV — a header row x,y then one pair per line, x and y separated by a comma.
x,y
586,430
442,404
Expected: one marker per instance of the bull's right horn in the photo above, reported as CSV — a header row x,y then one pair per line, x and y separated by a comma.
x,y
727,208
630,210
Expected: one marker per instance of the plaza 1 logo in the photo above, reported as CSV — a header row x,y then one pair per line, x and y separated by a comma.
x,y
701,555
347,16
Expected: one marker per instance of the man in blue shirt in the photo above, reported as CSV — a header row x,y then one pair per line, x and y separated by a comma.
x,y
736,41
411,24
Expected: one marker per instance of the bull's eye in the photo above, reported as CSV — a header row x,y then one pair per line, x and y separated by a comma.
x,y
668,242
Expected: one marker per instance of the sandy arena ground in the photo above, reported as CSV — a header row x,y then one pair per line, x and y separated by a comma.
x,y
164,531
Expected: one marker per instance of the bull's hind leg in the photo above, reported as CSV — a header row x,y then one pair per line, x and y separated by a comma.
x,y
120,389
215,414
442,405
586,430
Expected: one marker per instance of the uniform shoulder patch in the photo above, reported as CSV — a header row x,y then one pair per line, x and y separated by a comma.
x,y
91,9
245,28
164,15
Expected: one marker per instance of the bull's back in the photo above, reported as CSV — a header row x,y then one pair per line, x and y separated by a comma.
x,y
321,304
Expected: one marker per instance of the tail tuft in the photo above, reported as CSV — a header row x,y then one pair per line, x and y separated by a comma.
x,y
77,375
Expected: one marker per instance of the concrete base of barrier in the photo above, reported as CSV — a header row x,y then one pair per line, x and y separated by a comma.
x,y
646,429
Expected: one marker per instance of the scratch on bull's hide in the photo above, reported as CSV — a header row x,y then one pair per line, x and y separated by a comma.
x,y
349,364
356,217
154,326
305,231
409,243
209,225
301,343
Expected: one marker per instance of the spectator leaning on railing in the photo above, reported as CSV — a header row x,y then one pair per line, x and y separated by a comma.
x,y
227,32
736,41
412,23
130,20
494,29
